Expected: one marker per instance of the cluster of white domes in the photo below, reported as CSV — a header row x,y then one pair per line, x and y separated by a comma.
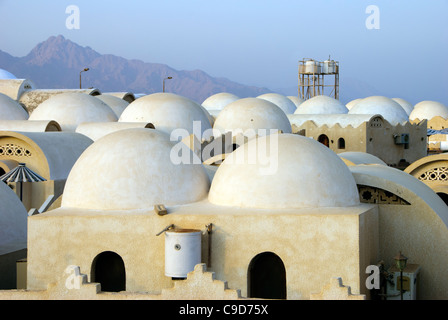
x,y
284,103
428,110
321,105
386,107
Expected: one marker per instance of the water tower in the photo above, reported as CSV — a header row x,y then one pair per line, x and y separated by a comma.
x,y
312,74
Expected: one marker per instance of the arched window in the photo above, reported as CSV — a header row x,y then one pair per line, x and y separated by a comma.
x,y
341,143
267,277
324,140
108,270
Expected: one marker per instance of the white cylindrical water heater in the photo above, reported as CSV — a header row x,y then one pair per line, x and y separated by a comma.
x,y
182,252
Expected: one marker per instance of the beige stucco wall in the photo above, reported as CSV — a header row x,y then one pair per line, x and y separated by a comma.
x,y
380,142
314,245
369,138
418,230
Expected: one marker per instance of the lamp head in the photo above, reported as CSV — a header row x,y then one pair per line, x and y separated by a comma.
x,y
400,261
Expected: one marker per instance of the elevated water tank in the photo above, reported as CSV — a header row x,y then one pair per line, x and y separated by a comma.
x,y
329,66
182,251
312,66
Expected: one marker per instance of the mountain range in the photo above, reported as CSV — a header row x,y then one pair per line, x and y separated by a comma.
x,y
56,63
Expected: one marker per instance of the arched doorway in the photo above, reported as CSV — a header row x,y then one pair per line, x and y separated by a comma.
x,y
266,277
324,140
108,270
341,143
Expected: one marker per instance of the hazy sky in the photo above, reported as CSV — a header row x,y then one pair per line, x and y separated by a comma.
x,y
255,42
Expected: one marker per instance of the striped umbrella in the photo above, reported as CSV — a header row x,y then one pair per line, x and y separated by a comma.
x,y
21,174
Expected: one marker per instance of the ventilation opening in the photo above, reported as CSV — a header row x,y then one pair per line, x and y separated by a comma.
x,y
341,143
443,196
267,277
108,270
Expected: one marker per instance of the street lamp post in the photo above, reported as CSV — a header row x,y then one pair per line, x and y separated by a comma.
x,y
164,82
401,261
85,69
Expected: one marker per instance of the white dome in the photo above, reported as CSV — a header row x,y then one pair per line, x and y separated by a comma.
x,y
356,158
167,112
13,218
72,108
388,108
296,100
219,101
294,172
352,103
252,114
116,104
428,110
321,105
133,169
281,101
6,75
406,105
11,109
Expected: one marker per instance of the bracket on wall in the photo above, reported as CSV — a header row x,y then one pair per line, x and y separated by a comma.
x,y
171,226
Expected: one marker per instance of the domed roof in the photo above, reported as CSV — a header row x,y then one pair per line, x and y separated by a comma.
x,y
281,101
296,100
428,110
388,108
6,75
11,109
291,171
321,105
72,108
167,112
13,218
352,103
133,169
355,158
219,100
406,105
252,114
116,104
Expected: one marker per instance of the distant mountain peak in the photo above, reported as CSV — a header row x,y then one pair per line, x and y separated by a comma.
x,y
57,49
57,61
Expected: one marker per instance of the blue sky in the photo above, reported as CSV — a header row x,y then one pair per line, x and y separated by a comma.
x,y
255,42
